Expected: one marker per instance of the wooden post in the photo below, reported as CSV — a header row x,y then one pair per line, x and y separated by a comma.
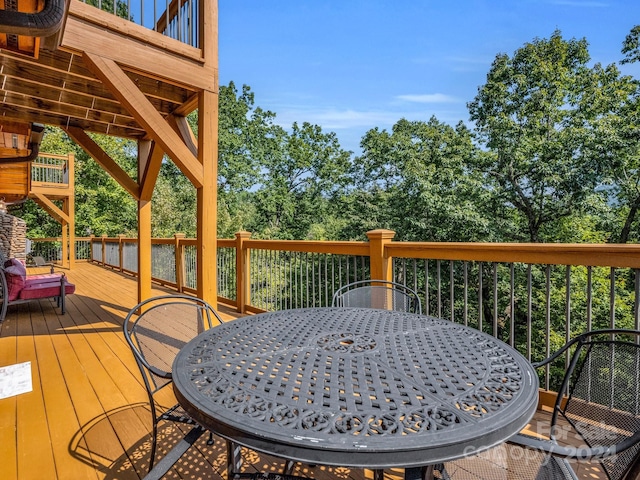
x,y
207,202
120,252
381,265
243,292
144,226
178,250
144,250
91,237
71,209
65,235
104,249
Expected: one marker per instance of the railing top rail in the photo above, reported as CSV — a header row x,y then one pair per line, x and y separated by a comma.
x,y
596,255
311,246
51,155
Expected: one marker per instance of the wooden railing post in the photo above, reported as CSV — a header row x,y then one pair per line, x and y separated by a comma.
x,y
104,249
121,251
178,250
243,293
91,237
381,264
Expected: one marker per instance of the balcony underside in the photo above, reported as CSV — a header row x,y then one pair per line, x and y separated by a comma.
x,y
57,87
86,416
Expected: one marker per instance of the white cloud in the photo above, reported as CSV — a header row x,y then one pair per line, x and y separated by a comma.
x,y
428,98
334,119
580,3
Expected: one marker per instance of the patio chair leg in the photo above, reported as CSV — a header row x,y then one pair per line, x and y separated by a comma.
x,y
234,459
154,441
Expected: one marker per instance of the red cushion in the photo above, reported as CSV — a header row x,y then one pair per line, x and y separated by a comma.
x,y
15,283
18,265
15,273
44,278
45,290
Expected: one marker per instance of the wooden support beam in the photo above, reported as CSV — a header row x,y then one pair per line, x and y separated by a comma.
x,y
151,171
50,207
182,128
104,160
187,107
125,90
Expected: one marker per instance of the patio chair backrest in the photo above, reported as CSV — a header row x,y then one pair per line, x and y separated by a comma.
x,y
382,294
158,328
603,388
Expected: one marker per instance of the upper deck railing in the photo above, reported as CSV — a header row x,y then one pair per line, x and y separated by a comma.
x,y
177,19
49,168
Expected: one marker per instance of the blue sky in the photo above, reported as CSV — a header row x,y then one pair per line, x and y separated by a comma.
x,y
353,65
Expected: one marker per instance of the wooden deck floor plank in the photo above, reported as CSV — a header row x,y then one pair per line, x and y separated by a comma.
x,y
125,385
8,406
86,402
35,455
61,412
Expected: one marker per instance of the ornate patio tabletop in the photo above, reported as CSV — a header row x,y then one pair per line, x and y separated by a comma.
x,y
356,387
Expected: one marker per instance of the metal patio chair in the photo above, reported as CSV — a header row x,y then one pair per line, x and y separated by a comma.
x,y
383,294
156,329
598,409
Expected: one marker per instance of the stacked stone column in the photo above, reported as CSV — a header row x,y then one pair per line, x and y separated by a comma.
x,y
13,236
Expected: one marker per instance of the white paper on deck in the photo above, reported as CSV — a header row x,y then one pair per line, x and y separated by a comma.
x,y
15,379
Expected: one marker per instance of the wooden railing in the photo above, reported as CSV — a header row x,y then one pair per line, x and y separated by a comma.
x,y
532,296
181,23
50,169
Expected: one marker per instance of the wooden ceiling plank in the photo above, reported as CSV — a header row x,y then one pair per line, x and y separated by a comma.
x,y
139,106
62,77
55,78
27,87
151,172
59,108
104,160
26,115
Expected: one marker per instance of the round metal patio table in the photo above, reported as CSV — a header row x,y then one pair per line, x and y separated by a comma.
x,y
356,387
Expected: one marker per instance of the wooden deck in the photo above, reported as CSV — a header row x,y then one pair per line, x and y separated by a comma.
x,y
87,416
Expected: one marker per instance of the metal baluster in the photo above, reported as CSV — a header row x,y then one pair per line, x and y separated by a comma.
x,y
480,299
495,300
612,298
439,288
548,323
306,265
512,305
529,310
451,290
636,307
589,298
465,314
567,312
313,277
415,274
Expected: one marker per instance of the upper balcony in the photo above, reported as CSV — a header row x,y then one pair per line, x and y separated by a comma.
x,y
161,46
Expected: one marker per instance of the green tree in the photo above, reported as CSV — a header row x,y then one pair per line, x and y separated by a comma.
x,y
417,181
303,170
537,116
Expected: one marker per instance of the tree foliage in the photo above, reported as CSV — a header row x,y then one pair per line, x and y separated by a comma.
x,y
538,116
